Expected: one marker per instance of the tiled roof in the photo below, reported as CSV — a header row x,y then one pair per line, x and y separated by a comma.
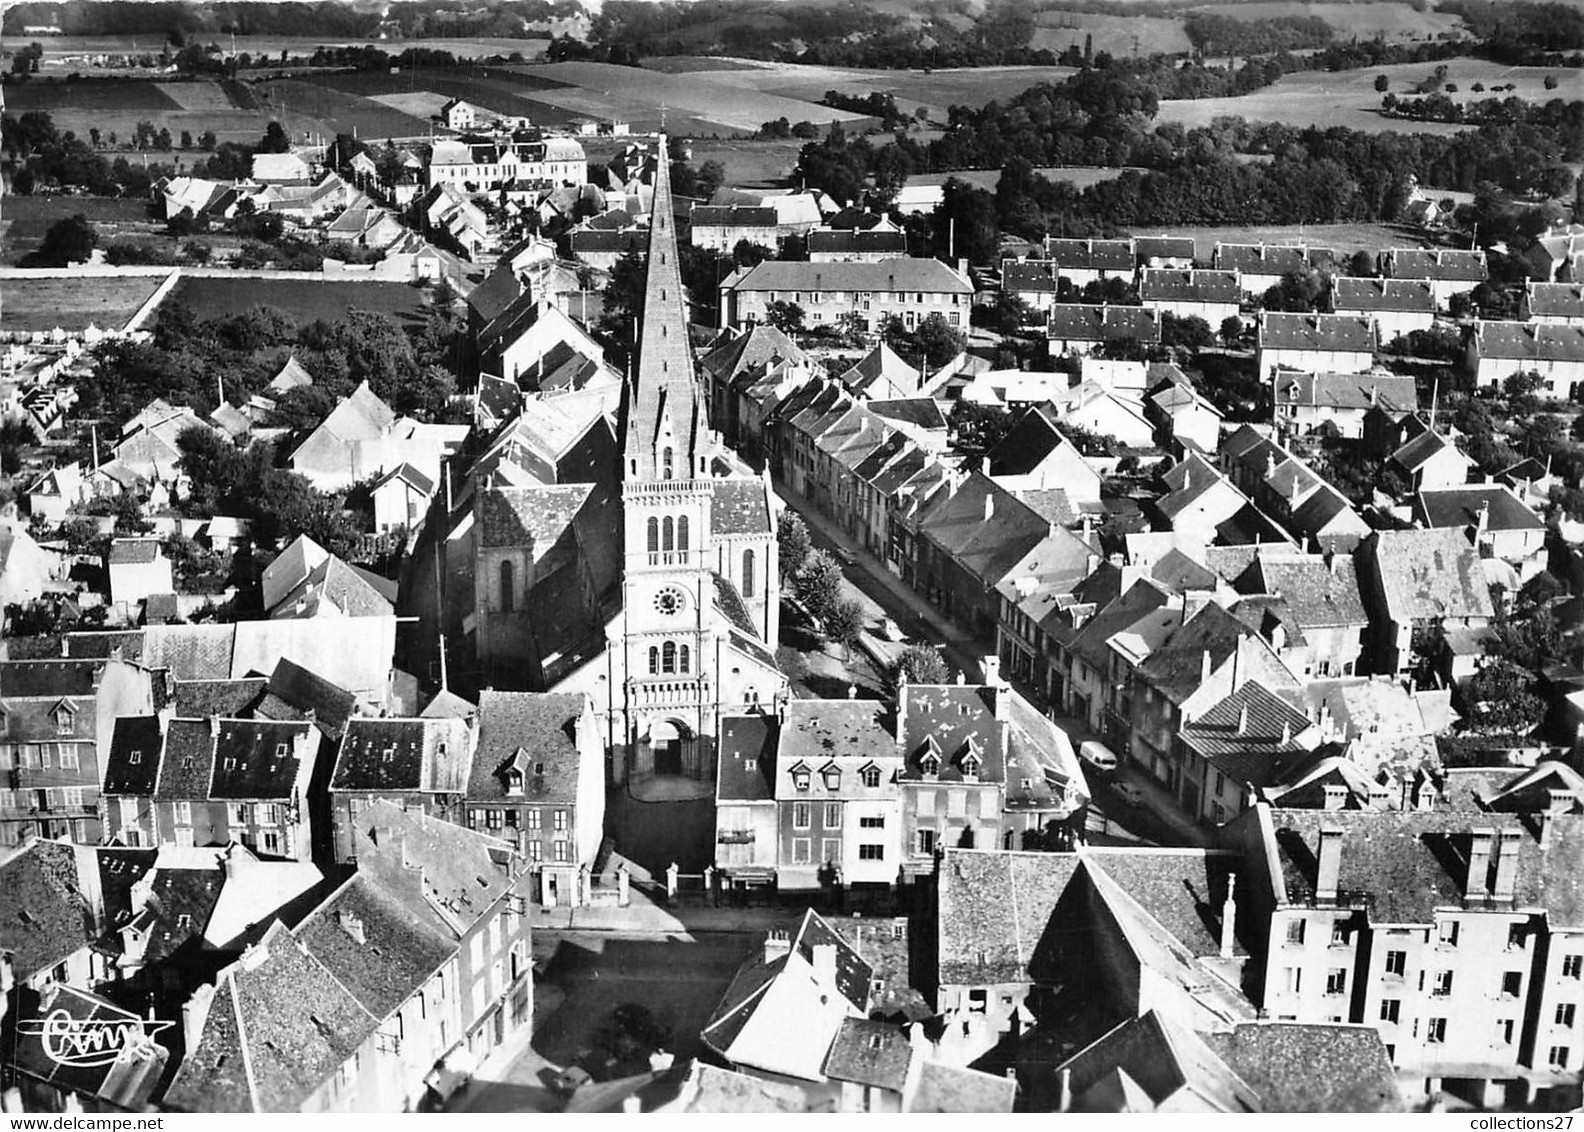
x,y
1284,330
34,678
1345,390
987,546
1247,732
293,691
134,551
1435,263
950,721
1317,592
402,754
1346,1068
747,748
817,731
180,905
1163,247
1271,259
1403,865
259,759
187,761
1529,341
1430,574
922,411
950,1088
134,759
732,216
1035,436
1418,450
542,724
870,1053
902,274
1350,293
1492,506
994,916
1145,1063
1564,300
739,507
44,918
523,516
1108,255
855,243
1081,322
1160,284
395,956
1183,890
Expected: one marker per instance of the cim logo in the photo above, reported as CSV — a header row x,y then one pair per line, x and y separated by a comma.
x,y
86,1042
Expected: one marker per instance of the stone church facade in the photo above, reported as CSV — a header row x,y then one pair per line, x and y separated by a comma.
x,y
658,594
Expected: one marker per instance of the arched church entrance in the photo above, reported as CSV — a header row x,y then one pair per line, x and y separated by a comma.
x,y
667,740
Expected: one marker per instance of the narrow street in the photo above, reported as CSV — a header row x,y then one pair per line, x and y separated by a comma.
x,y
882,593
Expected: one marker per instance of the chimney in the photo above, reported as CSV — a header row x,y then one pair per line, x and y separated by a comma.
x,y
1482,518
1330,870
1204,666
1506,883
1243,721
1229,919
992,670
1477,885
777,944
825,963
1286,733
989,505
1063,1090
632,1103
852,691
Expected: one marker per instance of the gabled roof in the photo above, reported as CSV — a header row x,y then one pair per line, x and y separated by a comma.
x,y
1346,1067
1429,574
431,755
1160,284
1492,507
1435,263
45,917
747,749
133,763
1252,734
1316,591
1080,322
1345,390
1560,300
544,724
1529,341
1419,449
1152,1063
1285,330
903,274
259,759
1351,293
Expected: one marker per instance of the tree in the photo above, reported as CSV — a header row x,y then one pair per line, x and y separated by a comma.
x,y
977,429
711,176
919,664
747,254
1192,332
844,623
785,316
275,139
793,544
1500,700
818,584
1231,330
1381,83
207,141
69,240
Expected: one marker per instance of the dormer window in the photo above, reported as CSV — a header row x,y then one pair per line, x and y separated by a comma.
x,y
871,776
65,721
930,764
800,777
280,750
514,781
832,778
135,757
970,768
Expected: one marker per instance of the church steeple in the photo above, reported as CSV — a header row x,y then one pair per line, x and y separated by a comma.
x,y
667,427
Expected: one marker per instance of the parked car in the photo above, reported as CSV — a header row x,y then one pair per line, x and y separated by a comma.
x,y
1129,793
1098,755
569,1080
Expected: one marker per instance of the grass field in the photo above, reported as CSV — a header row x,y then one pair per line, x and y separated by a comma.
x,y
751,164
416,103
43,304
117,105
1349,98
338,112
303,300
497,90
90,96
58,46
1343,238
934,90
197,96
25,219
1119,35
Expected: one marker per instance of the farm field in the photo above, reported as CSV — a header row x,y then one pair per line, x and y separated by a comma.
x,y
750,164
73,303
934,90
25,219
1119,35
117,105
204,96
1349,98
500,91
338,112
304,300
1343,238
604,90
59,49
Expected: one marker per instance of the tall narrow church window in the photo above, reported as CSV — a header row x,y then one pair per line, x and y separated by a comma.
x,y
654,660
668,657
508,591
748,573
682,533
668,538
666,460
683,659
654,537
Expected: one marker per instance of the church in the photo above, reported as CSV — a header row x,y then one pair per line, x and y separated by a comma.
x,y
635,559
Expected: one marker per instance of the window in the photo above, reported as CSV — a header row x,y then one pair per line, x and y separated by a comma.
x,y
1396,963
654,538
668,657
1565,1014
1558,1057
560,821
654,661
1516,935
1442,986
800,815
668,533
871,777
924,841
1435,1030
832,815
67,754
832,778
1339,933
1504,1031
832,850
1220,782
508,590
748,573
494,819
1391,1009
563,850
1512,984
682,533
536,850
684,660
800,780
871,852
1295,931
535,819
1294,979
271,841
183,813
872,821
238,813
800,850
667,461
1572,966
1336,981
1448,933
